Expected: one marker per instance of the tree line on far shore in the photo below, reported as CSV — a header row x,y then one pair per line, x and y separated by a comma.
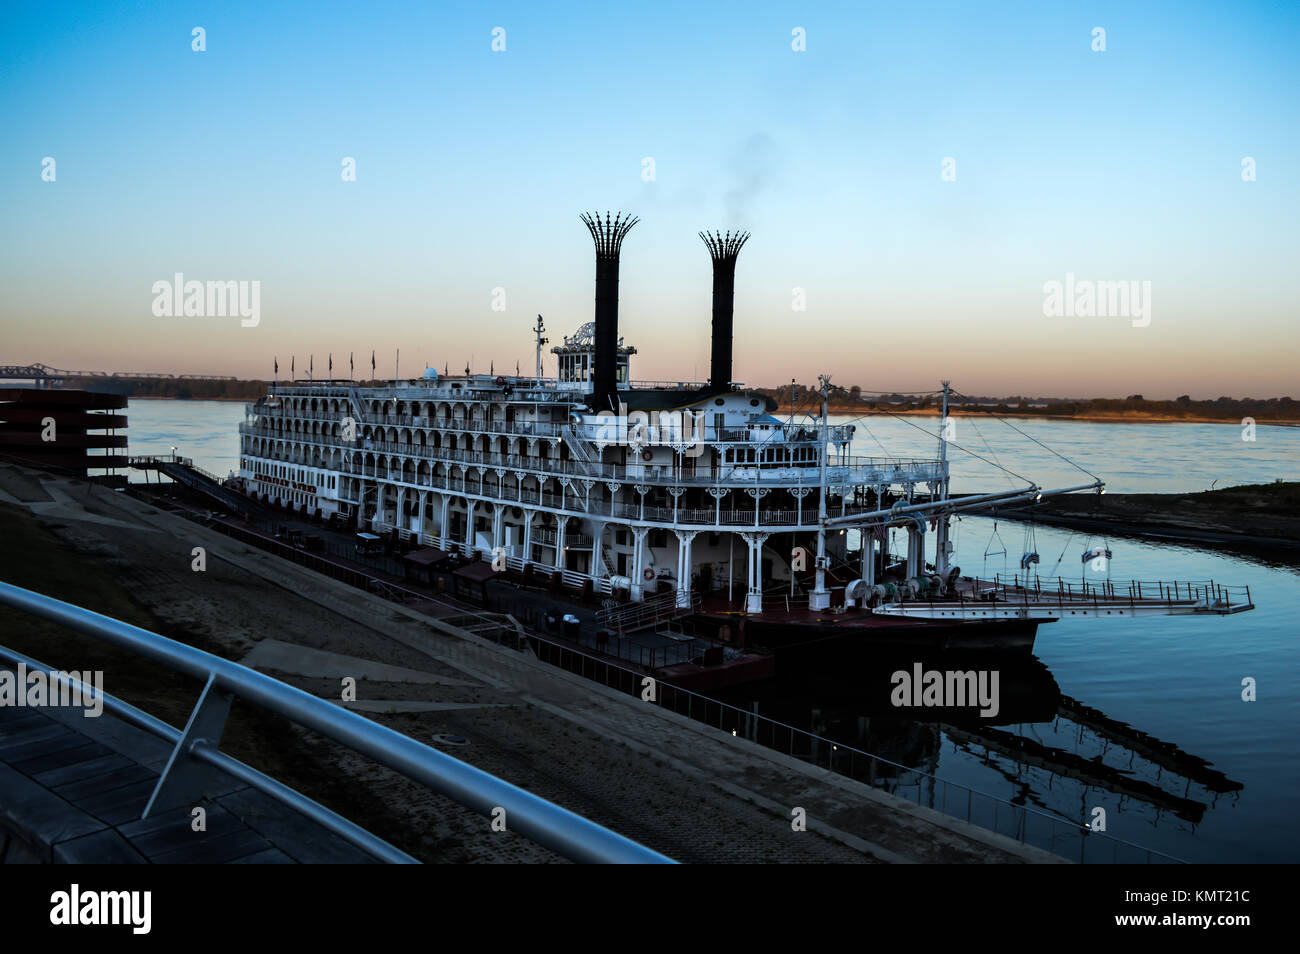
x,y
800,397
1226,408
180,389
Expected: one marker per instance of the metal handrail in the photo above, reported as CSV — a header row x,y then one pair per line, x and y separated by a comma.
x,y
1159,592
204,752
850,469
543,822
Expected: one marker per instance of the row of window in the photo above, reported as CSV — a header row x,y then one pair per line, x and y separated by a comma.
x,y
657,539
732,456
771,455
453,411
581,366
297,474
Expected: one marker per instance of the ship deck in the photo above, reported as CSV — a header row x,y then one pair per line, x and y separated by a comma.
x,y
1034,598
979,599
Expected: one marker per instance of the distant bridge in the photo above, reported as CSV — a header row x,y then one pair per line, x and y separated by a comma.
x,y
51,377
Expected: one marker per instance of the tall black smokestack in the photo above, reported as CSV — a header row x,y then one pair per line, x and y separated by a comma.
x,y
723,249
608,236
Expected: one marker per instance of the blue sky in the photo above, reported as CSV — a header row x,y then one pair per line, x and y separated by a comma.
x,y
472,166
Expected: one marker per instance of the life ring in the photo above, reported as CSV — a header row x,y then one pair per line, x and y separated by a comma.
x,y
646,455
500,380
649,574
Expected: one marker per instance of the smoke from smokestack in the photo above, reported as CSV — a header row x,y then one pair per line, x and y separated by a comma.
x,y
723,249
608,236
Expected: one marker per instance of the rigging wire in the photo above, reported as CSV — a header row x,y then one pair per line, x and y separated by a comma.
x,y
959,447
988,446
1093,553
872,435
1057,566
1040,443
862,417
992,459
989,551
1029,549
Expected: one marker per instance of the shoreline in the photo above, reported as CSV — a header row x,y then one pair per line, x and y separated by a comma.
x,y
1276,547
189,400
1261,519
1134,418
785,409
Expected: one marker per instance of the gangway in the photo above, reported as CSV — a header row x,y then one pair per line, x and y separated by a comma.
x,y
1028,598
183,471
655,611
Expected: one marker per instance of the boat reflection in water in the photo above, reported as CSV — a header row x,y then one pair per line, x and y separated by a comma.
x,y
1040,748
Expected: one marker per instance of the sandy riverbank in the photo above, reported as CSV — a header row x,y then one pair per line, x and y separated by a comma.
x,y
1258,517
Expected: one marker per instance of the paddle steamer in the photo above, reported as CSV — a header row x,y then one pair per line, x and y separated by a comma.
x,y
694,495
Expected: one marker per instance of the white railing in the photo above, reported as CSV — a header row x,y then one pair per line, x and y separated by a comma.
x,y
789,434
